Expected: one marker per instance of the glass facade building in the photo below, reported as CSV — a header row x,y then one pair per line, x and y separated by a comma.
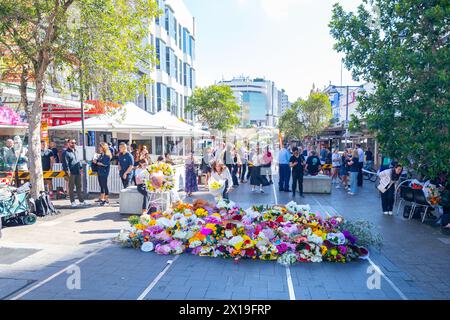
x,y
260,104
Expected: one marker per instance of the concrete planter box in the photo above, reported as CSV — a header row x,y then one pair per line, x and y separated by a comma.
x,y
131,201
317,184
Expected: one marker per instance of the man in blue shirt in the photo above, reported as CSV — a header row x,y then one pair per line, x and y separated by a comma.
x,y
126,163
284,169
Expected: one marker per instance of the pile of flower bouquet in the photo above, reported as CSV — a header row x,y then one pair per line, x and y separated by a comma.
x,y
287,233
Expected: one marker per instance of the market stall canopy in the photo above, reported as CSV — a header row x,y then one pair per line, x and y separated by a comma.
x,y
128,118
174,126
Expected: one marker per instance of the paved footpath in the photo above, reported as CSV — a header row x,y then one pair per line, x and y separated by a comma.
x,y
42,260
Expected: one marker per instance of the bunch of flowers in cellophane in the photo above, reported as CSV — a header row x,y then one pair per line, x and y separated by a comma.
x,y
432,193
216,188
288,233
161,177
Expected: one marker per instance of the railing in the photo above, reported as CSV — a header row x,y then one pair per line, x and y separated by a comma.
x,y
114,182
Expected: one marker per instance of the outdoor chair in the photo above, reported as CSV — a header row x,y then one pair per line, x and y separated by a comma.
x,y
406,195
419,201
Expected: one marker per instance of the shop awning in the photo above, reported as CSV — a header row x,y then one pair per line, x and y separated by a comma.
x,y
129,118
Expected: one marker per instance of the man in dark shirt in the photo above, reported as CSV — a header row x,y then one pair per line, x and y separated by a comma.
x,y
369,158
55,151
47,158
297,163
313,164
126,163
72,167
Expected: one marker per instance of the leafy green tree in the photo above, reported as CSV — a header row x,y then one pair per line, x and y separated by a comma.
x,y
402,47
104,38
315,112
215,105
306,117
289,124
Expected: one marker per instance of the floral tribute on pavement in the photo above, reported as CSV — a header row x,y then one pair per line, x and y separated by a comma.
x,y
287,233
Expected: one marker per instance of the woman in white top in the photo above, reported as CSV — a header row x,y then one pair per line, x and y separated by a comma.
x,y
256,179
220,173
388,179
336,164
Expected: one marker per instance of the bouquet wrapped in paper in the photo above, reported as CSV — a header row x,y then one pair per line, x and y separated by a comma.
x,y
216,188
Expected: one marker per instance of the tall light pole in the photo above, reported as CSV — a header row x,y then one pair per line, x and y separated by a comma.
x,y
83,137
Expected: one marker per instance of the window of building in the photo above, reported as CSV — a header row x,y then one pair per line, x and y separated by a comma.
x,y
180,36
180,77
176,67
167,20
185,41
158,54
185,68
168,50
175,30
161,95
169,99
190,46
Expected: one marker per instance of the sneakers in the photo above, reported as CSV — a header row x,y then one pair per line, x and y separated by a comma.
x,y
84,203
73,205
385,213
390,213
351,193
338,186
262,191
104,203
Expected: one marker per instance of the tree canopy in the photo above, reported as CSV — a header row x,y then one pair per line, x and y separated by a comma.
x,y
105,41
306,117
401,46
215,105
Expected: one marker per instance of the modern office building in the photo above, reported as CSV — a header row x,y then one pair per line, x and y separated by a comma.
x,y
172,35
284,103
260,102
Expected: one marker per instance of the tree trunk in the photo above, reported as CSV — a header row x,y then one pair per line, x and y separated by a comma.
x,y
23,92
34,134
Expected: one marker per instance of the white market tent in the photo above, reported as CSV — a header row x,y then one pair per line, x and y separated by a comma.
x,y
174,126
133,120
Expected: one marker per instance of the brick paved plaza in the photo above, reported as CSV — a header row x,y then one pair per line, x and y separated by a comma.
x,y
38,261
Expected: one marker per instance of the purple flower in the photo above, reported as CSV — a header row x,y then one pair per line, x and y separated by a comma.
x,y
206,231
282,247
350,238
342,249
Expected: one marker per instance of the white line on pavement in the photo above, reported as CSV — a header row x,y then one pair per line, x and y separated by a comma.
x,y
158,277
377,269
323,209
275,193
53,276
290,285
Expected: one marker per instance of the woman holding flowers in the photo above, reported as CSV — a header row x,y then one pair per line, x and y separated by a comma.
x,y
191,176
388,179
222,175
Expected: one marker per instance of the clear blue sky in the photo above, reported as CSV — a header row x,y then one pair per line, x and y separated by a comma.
x,y
287,41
